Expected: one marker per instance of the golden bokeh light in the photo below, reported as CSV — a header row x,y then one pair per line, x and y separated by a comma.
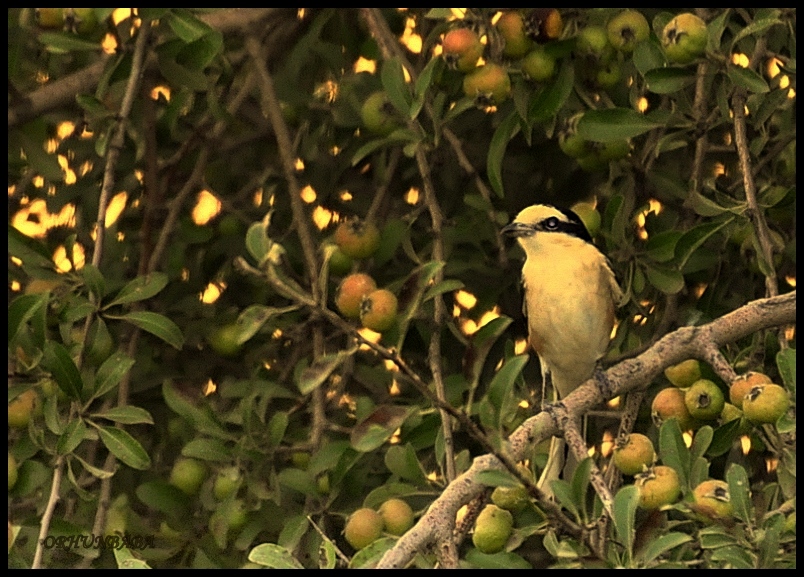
x,y
465,299
206,208
410,39
322,217
209,388
65,129
115,208
642,104
212,292
740,60
365,65
160,90
345,196
412,195
308,194
64,264
34,220
520,346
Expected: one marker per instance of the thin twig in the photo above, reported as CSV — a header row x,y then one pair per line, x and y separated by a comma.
x,y
47,516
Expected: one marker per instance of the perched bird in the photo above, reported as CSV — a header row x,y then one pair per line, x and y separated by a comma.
x,y
569,301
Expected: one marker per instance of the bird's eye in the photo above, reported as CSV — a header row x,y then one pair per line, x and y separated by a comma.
x,y
551,223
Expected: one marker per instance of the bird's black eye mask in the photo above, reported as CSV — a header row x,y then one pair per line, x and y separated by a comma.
x,y
573,227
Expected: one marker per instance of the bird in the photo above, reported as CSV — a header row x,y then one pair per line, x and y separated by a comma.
x,y
570,296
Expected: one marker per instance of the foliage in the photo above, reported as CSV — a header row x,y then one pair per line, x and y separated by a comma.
x,y
220,148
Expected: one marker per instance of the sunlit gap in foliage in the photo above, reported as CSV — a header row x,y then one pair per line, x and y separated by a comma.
x,y
308,194
345,196
160,90
409,38
687,436
655,207
607,444
212,292
365,65
412,195
322,217
470,327
774,69
745,444
642,104
740,59
614,403
34,220
206,208
209,388
520,346
370,336
465,299
64,264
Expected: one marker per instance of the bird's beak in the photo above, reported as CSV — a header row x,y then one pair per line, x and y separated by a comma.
x,y
517,229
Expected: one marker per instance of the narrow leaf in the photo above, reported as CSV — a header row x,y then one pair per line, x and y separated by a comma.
x,y
613,124
254,317
111,372
666,280
141,288
59,363
668,80
748,79
128,415
274,557
94,281
22,309
311,377
674,452
625,506
125,447
740,493
156,324
657,547
499,142
393,80
74,433
208,450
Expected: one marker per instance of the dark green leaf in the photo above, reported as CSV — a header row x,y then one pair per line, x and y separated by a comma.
x,y
661,545
694,238
433,68
94,281
701,442
763,21
501,560
375,429
501,388
446,286
274,557
723,438
666,280
625,506
748,79
128,415
156,324
735,557
740,493
298,480
613,124
499,142
661,246
786,361
704,206
125,447
402,462
648,56
63,42
31,251
42,163
111,372
208,450
165,498
141,288
74,433
201,418
22,309
313,376
200,53
186,26
254,317
59,363
393,80
277,427
674,452
548,101
669,80
94,108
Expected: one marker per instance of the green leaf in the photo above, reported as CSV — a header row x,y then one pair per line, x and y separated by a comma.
x,y
200,53
661,246
273,557
156,324
42,163
566,496
748,79
735,557
666,280
723,438
111,372
423,82
501,389
694,238
59,363
63,42
398,136
313,376
125,447
94,281
701,442
403,462
208,450
22,309
74,433
613,124
163,497
254,317
499,142
372,432
548,101
704,206
298,480
648,56
94,108
501,560
201,418
125,559
674,452
445,286
277,427
661,545
186,26
762,21
669,80
31,251
740,493
327,554
393,80
786,361
369,556
141,288
128,415
625,505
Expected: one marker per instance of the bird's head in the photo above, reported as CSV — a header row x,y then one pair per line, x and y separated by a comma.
x,y
544,218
